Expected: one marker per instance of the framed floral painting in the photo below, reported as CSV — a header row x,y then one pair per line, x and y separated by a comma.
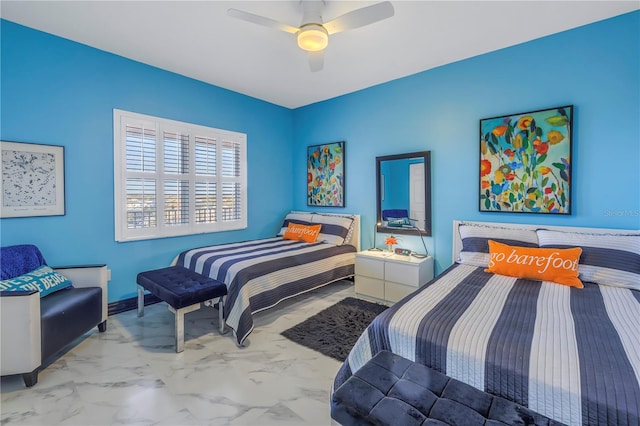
x,y
525,162
325,175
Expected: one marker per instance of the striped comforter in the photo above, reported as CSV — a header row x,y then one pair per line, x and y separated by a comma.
x,y
261,273
570,354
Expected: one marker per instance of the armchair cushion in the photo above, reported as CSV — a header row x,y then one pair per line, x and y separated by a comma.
x,y
43,279
68,314
19,259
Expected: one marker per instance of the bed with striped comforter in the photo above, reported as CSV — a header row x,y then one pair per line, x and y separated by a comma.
x,y
570,354
261,273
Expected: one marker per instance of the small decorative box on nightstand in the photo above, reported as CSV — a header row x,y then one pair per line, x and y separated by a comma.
x,y
388,277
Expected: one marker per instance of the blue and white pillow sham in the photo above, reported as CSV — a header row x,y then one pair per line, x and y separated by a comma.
x,y
336,229
294,217
609,259
475,237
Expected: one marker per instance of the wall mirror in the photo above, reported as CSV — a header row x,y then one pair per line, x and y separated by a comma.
x,y
404,193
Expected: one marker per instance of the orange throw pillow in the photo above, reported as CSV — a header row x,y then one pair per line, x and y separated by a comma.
x,y
298,232
545,264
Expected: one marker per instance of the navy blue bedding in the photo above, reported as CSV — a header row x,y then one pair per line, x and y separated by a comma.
x,y
261,273
567,353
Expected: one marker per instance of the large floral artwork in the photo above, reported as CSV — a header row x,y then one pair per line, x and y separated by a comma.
x,y
525,162
325,175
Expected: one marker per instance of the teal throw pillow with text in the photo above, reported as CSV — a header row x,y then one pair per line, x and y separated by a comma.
x,y
44,279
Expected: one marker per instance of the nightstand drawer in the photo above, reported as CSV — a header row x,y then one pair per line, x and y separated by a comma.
x,y
403,273
390,277
369,286
395,291
373,268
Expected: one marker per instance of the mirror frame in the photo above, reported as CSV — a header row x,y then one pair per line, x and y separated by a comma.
x,y
426,155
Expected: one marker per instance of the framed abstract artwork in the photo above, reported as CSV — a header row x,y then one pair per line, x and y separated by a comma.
x,y
32,180
525,162
325,175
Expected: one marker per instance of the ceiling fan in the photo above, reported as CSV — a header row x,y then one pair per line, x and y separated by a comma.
x,y
313,34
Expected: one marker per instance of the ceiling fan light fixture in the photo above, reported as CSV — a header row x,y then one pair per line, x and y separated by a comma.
x,y
313,38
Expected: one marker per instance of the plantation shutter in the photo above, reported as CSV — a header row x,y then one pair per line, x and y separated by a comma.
x,y
206,191
141,195
231,189
174,178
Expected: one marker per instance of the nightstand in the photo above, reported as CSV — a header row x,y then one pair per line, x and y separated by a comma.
x,y
388,277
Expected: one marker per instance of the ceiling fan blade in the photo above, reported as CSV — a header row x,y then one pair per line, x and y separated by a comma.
x,y
360,17
316,60
261,20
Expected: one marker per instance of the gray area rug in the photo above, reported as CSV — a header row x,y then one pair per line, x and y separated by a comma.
x,y
335,330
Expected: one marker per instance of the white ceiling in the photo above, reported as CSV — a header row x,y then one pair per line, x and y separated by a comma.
x,y
197,38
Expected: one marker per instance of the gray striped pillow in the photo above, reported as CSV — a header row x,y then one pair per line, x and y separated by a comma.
x,y
295,217
336,229
475,246
610,259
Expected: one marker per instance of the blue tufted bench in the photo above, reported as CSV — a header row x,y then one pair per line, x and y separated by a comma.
x,y
391,390
183,290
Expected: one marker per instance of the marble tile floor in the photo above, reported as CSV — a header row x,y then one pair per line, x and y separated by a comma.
x,y
131,375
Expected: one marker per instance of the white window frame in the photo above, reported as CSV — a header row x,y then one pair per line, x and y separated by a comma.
x,y
122,233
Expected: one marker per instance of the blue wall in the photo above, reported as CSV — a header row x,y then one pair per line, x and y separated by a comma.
x,y
595,68
57,92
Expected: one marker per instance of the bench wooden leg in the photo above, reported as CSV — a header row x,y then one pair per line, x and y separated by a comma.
x,y
140,301
179,313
